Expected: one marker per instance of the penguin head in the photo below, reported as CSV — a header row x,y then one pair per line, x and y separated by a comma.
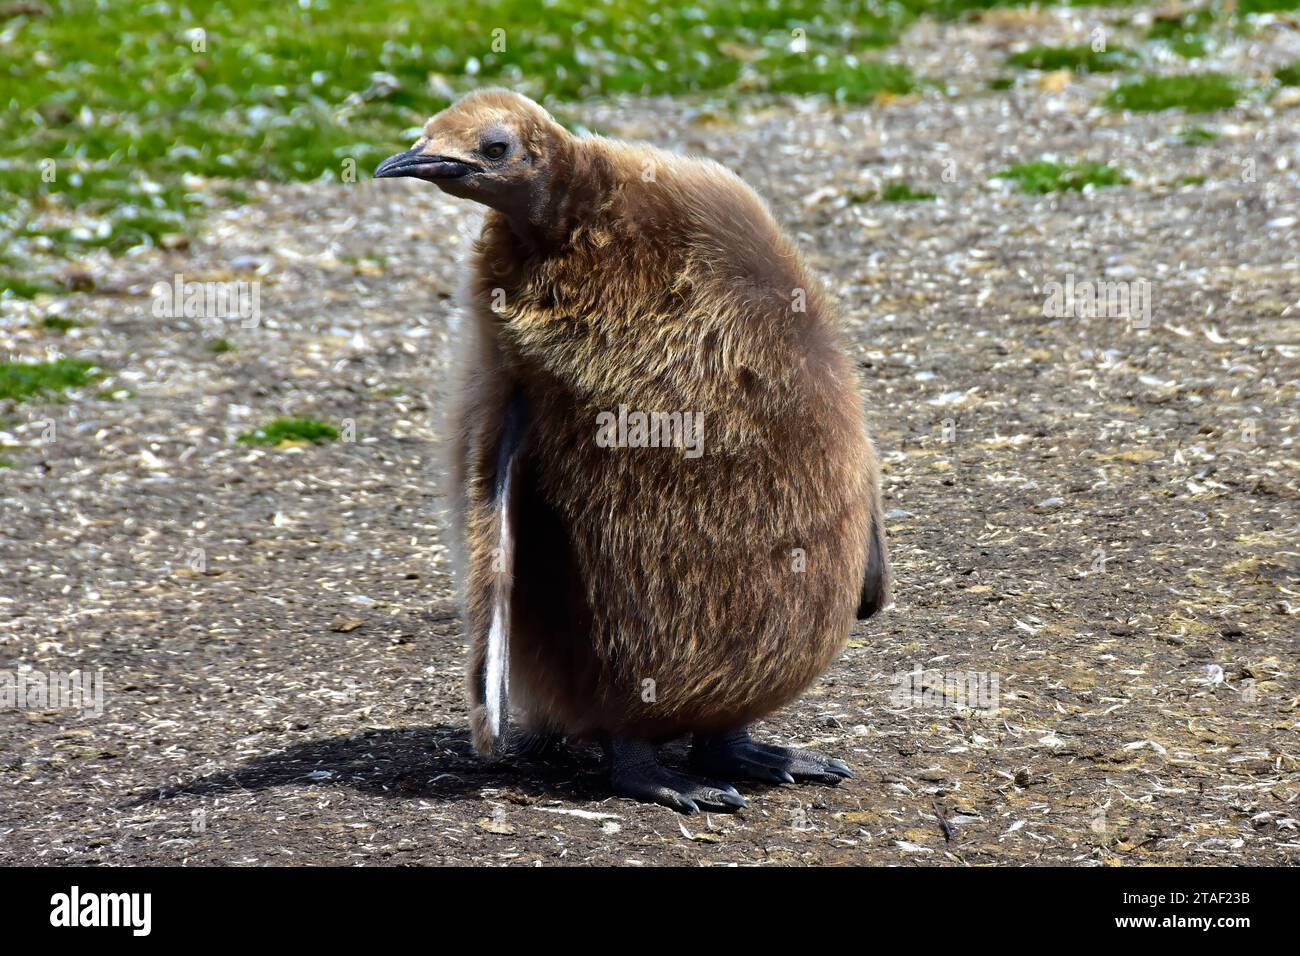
x,y
495,147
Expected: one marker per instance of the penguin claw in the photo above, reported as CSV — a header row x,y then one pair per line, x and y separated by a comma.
x,y
736,756
651,783
677,792
838,766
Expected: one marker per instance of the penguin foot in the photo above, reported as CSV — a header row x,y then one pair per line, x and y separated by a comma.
x,y
635,772
734,756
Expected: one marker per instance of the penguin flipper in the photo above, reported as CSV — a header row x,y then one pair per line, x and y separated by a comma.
x,y
877,583
491,582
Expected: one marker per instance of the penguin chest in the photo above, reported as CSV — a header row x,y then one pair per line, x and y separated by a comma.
x,y
704,585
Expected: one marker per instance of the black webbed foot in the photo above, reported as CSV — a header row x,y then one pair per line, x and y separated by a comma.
x,y
734,756
635,772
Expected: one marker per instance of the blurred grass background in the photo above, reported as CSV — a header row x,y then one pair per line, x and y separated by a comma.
x,y
130,101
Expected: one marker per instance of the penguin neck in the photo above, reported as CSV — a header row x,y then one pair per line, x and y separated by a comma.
x,y
570,193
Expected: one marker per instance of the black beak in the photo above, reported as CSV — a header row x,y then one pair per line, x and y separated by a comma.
x,y
422,166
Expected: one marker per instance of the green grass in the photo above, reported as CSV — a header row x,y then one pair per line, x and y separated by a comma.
x,y
1080,59
846,79
290,429
1196,135
947,9
133,119
21,381
126,110
1044,176
1192,93
902,192
220,346
892,192
1190,46
1289,75
1184,33
1266,6
58,323
16,287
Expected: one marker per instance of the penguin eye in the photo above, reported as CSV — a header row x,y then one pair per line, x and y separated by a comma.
x,y
495,150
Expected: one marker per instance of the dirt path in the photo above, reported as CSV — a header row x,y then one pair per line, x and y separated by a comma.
x,y
1100,517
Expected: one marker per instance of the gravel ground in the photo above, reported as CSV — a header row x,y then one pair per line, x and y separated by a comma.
x,y
1098,515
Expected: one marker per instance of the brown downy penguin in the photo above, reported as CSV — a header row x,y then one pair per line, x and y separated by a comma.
x,y
663,486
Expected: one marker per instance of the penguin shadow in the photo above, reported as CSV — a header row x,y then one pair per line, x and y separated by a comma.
x,y
428,763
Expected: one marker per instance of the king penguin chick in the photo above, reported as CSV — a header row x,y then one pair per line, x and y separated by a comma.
x,y
665,497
